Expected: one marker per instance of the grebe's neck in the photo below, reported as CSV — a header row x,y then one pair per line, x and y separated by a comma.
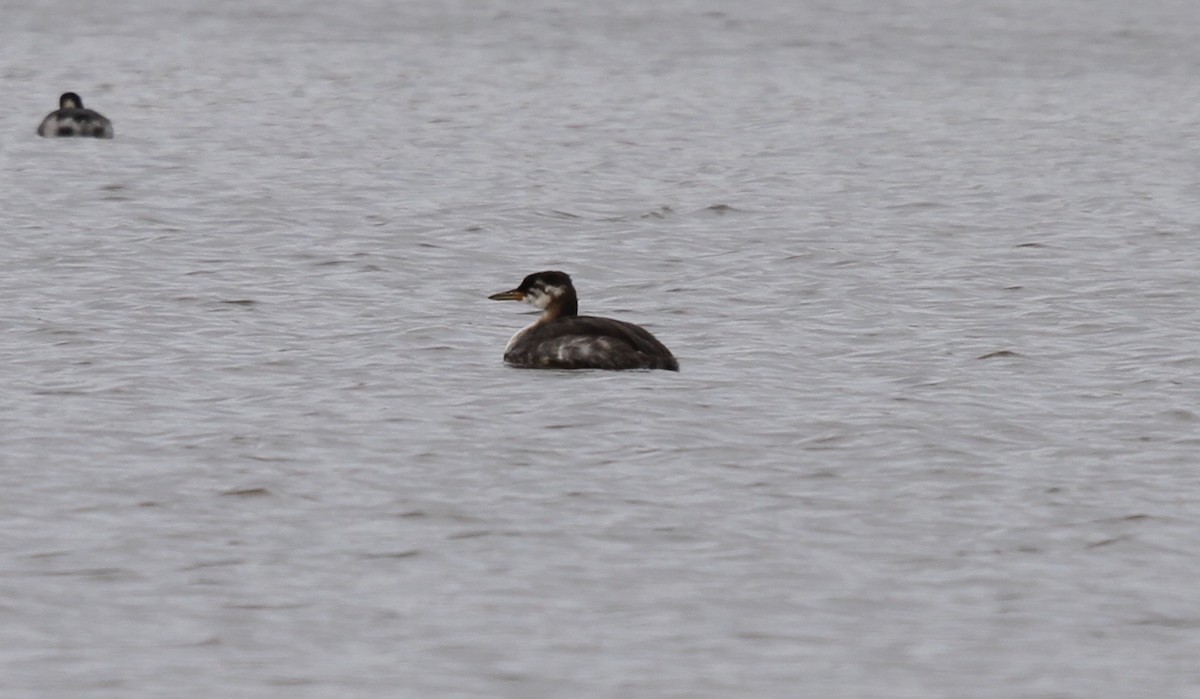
x,y
563,306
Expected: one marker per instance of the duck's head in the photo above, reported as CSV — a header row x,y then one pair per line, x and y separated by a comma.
x,y
550,291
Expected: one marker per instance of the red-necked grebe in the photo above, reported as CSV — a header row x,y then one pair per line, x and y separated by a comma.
x,y
563,339
71,119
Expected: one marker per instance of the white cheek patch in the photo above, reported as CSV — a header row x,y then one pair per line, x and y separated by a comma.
x,y
541,297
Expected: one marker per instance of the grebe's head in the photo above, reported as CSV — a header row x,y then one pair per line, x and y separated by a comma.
x,y
70,100
550,291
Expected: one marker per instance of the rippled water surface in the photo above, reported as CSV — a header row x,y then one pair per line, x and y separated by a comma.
x,y
930,268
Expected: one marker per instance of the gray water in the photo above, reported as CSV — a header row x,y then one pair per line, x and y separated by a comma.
x,y
930,269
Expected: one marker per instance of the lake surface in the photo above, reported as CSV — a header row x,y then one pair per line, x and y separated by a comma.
x,y
931,269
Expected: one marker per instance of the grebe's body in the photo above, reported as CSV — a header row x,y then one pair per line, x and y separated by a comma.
x,y
71,119
563,339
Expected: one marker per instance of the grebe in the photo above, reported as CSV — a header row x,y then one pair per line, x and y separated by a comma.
x,y
71,119
563,339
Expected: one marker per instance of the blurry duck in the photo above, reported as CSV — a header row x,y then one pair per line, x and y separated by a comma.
x,y
71,119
